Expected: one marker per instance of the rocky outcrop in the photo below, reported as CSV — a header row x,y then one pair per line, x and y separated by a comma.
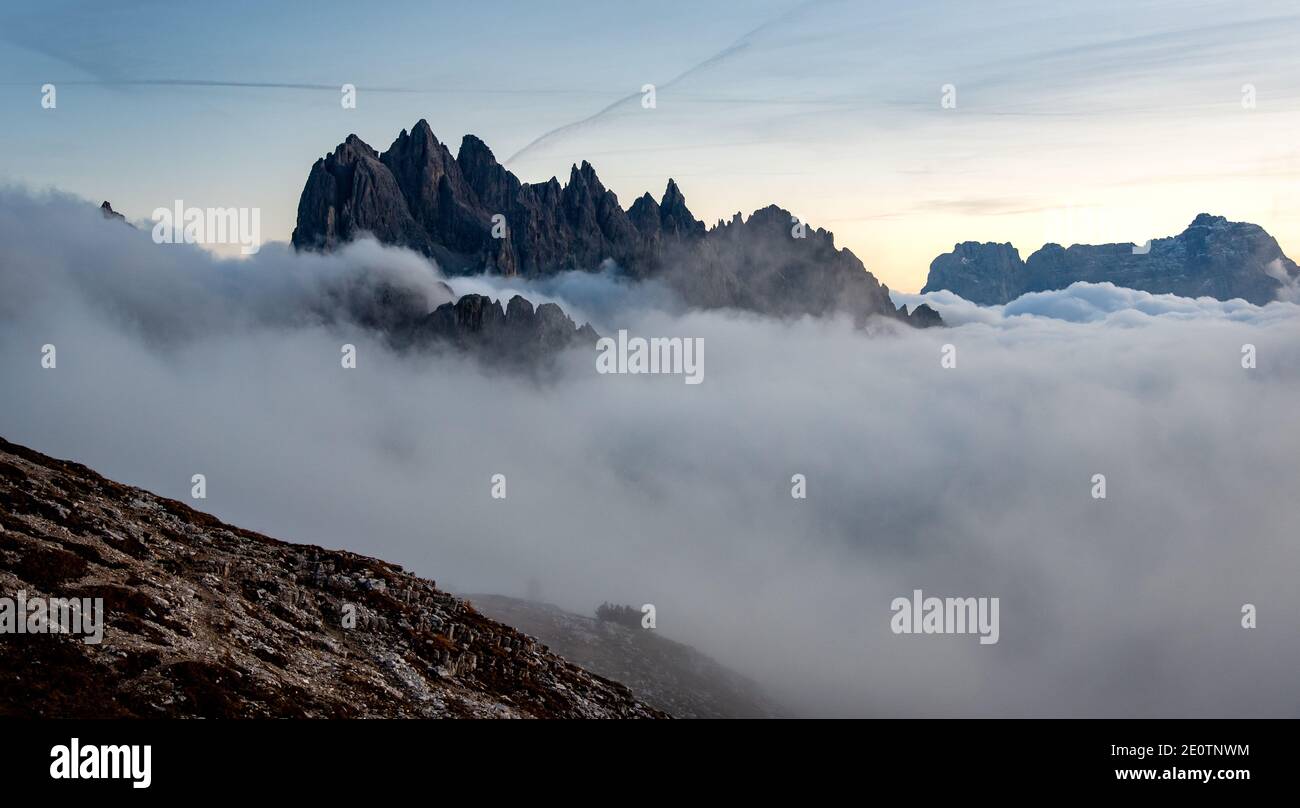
x,y
767,264
517,334
668,675
204,619
111,214
472,215
923,316
1213,257
987,274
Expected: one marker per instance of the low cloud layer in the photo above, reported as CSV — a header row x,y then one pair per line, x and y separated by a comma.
x,y
967,481
1103,303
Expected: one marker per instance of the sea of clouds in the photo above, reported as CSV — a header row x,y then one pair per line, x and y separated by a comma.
x,y
969,481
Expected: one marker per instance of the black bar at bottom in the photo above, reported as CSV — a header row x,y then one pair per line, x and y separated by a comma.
x,y
207,759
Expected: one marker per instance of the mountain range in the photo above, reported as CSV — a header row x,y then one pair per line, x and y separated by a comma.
x,y
1213,257
470,214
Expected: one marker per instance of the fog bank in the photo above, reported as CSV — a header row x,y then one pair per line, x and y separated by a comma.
x,y
967,481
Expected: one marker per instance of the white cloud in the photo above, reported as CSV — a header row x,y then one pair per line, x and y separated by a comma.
x,y
969,481
1097,303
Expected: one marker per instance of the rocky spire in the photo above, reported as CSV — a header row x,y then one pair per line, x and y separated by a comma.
x,y
644,215
674,216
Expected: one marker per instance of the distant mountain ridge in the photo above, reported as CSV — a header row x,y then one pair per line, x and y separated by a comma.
x,y
1213,257
470,214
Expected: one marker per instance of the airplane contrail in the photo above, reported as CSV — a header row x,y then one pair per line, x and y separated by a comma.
x,y
279,85
735,47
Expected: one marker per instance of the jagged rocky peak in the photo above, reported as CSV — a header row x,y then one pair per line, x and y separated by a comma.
x,y
669,216
674,216
491,182
350,192
922,316
348,154
417,159
644,215
587,174
474,150
472,215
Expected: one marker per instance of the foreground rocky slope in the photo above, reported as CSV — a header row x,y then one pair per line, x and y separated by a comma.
x,y
206,619
668,675
1213,257
471,214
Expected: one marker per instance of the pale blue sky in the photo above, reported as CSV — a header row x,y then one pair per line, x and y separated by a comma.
x,y
1083,122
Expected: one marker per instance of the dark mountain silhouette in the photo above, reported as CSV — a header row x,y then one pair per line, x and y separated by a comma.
x,y
471,214
107,209
1213,257
204,619
517,334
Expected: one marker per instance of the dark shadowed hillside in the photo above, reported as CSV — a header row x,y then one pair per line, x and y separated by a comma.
x,y
668,675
